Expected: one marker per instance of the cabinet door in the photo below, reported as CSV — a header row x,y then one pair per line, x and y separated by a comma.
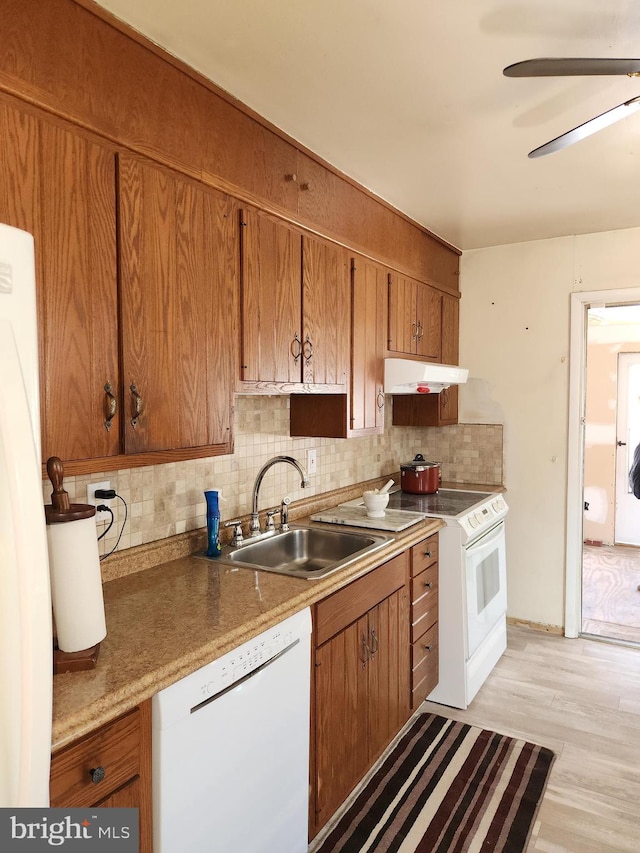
x,y
178,285
325,311
60,186
450,328
388,670
367,353
271,316
403,327
341,739
428,317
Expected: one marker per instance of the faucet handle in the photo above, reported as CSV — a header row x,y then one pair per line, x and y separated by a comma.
x,y
270,522
237,531
284,513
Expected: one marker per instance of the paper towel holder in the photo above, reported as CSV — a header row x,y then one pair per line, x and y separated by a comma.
x,y
60,511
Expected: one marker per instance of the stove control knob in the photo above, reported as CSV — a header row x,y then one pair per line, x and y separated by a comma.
x,y
496,505
473,521
479,517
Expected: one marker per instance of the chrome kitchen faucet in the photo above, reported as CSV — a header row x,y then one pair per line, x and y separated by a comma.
x,y
254,528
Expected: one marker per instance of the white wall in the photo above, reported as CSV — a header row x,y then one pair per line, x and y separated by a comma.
x,y
514,338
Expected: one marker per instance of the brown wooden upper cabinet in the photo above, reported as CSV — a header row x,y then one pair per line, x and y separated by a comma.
x,y
361,412
367,347
60,186
415,316
179,284
295,308
434,409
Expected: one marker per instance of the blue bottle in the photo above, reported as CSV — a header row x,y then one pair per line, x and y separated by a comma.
x,y
213,524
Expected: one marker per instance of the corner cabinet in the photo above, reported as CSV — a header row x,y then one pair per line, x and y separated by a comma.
x,y
110,767
361,412
360,682
179,283
294,311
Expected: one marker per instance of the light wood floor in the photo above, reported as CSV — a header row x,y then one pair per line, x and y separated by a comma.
x,y
611,592
581,698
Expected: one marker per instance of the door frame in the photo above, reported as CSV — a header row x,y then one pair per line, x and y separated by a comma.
x,y
575,451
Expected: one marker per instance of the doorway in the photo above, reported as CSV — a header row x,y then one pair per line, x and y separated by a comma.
x,y
603,516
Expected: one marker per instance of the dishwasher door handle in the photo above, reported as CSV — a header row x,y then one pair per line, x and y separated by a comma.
x,y
244,678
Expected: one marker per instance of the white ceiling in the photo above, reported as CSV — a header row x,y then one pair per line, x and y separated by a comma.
x,y
408,97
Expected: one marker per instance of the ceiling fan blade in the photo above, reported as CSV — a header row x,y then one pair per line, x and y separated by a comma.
x,y
589,127
567,67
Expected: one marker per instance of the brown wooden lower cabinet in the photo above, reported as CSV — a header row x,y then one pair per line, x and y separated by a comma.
x,y
361,690
110,767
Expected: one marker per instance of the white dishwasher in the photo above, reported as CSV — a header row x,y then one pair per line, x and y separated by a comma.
x,y
231,749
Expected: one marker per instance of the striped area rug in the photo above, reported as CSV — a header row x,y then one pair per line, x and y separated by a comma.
x,y
447,787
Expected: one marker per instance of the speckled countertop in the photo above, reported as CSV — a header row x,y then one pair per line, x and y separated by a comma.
x,y
169,619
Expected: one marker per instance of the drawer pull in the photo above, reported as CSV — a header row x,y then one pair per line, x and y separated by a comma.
x,y
427,553
428,584
427,648
97,774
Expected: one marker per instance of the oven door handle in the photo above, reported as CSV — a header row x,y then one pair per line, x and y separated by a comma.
x,y
487,538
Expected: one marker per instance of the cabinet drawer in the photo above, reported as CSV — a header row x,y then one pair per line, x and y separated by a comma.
x,y
424,601
424,554
115,747
424,665
339,610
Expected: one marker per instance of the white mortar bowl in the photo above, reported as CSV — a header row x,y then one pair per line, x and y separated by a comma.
x,y
375,502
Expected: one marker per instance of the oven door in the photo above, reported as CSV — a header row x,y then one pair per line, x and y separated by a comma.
x,y
486,582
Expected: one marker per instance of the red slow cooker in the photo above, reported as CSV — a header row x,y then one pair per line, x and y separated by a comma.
x,y
419,477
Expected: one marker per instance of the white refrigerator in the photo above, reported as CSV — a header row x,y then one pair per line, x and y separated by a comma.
x,y
25,599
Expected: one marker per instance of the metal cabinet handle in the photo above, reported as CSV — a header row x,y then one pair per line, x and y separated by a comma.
x,y
428,584
427,648
97,774
137,404
296,355
307,350
420,332
365,652
110,406
414,331
374,643
380,399
427,553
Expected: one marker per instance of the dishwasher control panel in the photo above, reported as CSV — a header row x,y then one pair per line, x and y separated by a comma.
x,y
208,682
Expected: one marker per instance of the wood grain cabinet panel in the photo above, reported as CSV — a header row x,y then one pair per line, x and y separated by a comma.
x,y
271,311
60,186
295,308
415,315
179,277
362,411
361,682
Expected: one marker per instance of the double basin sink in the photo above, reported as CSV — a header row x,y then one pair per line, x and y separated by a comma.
x,y
304,552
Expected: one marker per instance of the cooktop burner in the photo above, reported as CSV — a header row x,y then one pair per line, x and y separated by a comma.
x,y
444,503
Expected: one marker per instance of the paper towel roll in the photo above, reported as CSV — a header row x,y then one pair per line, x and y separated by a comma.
x,y
76,584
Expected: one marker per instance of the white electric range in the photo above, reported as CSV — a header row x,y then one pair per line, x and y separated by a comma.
x,y
472,586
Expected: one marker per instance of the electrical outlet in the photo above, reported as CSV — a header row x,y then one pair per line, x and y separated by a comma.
x,y
91,499
312,462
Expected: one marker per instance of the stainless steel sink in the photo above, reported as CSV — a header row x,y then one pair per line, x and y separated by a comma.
x,y
305,552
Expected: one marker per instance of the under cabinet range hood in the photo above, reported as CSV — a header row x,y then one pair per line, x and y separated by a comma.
x,y
404,376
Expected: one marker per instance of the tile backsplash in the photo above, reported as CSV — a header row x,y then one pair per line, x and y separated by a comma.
x,y
163,500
